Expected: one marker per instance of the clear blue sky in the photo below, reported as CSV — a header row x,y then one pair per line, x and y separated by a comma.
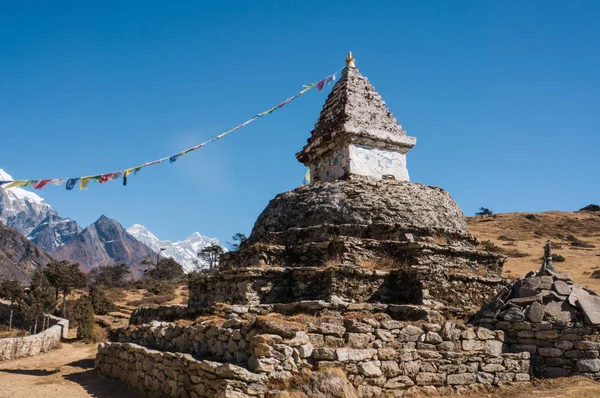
x,y
503,97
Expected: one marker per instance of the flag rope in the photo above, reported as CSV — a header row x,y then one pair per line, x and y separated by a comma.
x,y
105,177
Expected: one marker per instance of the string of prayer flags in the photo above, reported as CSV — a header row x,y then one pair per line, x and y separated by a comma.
x,y
103,178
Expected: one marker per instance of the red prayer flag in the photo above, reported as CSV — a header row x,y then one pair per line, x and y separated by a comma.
x,y
41,184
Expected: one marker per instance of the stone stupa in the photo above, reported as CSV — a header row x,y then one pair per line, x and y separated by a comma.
x,y
360,232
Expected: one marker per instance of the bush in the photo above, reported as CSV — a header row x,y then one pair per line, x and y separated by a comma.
x,y
558,258
490,246
157,287
580,243
596,274
102,305
516,253
532,217
506,238
84,316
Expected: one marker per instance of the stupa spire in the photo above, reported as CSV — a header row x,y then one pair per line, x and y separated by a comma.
x,y
356,134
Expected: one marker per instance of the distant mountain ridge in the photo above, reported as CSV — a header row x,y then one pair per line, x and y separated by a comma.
x,y
185,251
104,242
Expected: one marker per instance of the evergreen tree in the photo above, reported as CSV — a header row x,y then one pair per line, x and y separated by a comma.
x,y
210,255
84,315
65,277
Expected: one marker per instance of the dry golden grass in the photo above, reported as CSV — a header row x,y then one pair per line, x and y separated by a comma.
x,y
282,319
567,387
515,231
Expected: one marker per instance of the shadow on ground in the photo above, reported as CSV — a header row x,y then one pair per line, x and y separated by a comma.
x,y
100,386
31,372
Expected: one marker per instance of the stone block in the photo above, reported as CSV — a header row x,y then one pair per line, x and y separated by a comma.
x,y
390,368
324,353
546,335
432,338
493,347
370,369
563,344
588,365
531,348
553,372
473,345
399,382
492,368
431,379
586,345
384,335
354,355
358,340
331,329
462,379
535,312
549,352
410,333
386,354
485,378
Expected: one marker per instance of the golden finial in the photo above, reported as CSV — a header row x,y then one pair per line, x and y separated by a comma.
x,y
350,60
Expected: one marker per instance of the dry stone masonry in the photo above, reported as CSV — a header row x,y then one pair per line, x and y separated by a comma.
x,y
18,347
362,280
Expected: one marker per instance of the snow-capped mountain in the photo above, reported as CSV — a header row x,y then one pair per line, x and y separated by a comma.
x,y
185,252
105,242
31,216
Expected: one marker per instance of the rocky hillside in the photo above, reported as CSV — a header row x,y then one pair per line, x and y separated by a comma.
x,y
19,258
102,243
521,236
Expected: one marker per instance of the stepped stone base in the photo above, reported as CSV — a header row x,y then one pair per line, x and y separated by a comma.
x,y
237,352
342,285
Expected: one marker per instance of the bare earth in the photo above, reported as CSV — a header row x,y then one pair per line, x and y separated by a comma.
x,y
68,371
65,372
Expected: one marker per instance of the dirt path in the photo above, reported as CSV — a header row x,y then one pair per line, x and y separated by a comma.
x,y
64,372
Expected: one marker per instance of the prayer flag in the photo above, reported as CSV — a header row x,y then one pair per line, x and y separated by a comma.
x,y
41,184
106,177
84,182
71,183
58,181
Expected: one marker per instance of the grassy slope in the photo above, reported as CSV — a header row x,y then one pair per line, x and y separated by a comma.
x,y
531,235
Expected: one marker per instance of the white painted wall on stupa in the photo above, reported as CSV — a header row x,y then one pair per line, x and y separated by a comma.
x,y
375,162
360,160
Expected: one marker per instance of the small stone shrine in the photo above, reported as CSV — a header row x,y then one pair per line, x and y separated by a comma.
x,y
360,284
550,316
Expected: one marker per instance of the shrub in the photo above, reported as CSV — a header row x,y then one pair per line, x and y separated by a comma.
x,y
557,258
490,246
580,243
532,217
516,253
84,316
596,274
102,304
506,238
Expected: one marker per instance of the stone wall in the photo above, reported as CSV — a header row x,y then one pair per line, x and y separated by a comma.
x,y
165,374
411,285
555,351
378,354
17,347
162,313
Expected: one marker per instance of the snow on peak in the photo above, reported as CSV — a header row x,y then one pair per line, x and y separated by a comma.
x,y
4,176
185,251
21,209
